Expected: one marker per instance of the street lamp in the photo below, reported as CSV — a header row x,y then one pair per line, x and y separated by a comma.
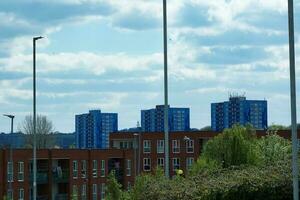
x,y
166,117
10,150
136,156
293,99
34,117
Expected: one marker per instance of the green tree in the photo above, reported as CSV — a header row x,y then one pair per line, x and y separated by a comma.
x,y
206,128
113,189
274,148
276,127
233,147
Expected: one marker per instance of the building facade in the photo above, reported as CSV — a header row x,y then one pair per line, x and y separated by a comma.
x,y
152,120
92,129
238,110
64,174
148,148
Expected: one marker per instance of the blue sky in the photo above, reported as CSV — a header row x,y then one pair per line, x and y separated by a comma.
x,y
107,54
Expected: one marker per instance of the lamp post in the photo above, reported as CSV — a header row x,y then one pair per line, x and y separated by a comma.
x,y
166,122
136,157
34,117
10,149
293,99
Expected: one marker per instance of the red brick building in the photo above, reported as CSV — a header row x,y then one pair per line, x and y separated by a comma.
x,y
63,173
184,147
148,148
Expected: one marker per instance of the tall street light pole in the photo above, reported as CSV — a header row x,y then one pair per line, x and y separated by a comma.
x,y
293,99
10,149
166,107
34,118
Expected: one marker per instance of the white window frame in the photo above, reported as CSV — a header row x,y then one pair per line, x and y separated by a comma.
x,y
102,171
189,162
95,191
75,169
190,146
128,167
176,164
147,163
83,169
176,146
21,194
83,192
160,148
102,190
159,163
147,146
20,171
95,168
10,172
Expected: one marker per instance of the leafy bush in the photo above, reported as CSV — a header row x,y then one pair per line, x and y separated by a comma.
x,y
242,183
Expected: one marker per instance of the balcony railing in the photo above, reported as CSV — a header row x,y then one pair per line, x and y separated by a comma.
x,y
41,177
61,177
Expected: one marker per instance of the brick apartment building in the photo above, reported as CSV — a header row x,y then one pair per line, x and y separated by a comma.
x,y
63,173
184,147
148,148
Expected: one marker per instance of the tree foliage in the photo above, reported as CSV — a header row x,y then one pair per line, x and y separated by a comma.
x,y
44,131
234,165
234,147
273,148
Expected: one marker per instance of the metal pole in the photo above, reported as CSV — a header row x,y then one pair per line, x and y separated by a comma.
x,y
9,189
11,151
166,118
293,99
135,154
34,119
34,122
139,148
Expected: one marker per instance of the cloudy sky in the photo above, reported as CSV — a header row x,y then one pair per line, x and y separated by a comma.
x,y
107,54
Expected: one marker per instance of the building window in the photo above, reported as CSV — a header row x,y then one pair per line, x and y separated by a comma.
x,y
102,190
75,169
83,192
147,146
74,192
10,173
95,168
102,168
94,191
176,164
160,146
176,146
83,168
10,194
189,163
128,167
20,171
147,164
160,162
129,186
190,146
21,194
